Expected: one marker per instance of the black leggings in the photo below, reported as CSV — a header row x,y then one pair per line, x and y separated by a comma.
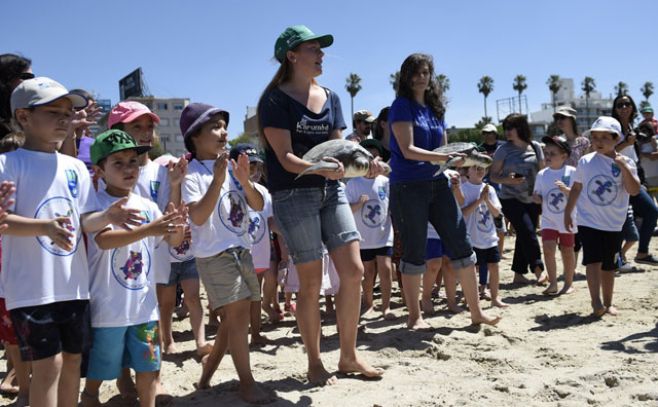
x,y
525,218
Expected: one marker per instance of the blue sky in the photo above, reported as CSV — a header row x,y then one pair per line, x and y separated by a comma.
x,y
220,52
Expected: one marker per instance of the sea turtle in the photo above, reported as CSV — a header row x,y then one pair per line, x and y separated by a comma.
x,y
471,156
356,159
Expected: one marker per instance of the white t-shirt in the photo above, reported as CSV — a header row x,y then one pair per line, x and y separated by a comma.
x,y
35,271
554,201
603,201
259,232
122,280
431,232
228,225
480,222
373,220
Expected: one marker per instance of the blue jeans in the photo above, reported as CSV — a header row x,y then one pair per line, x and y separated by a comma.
x,y
645,208
413,204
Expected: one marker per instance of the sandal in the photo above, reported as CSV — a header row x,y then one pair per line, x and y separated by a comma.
x,y
649,259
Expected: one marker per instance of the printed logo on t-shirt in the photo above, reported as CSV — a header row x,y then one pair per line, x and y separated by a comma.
x,y
131,265
181,252
484,221
256,228
154,187
312,127
232,210
615,170
566,179
602,190
372,214
72,181
381,192
57,207
556,201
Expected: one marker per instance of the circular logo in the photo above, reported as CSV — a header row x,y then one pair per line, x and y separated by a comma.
x,y
181,252
556,201
232,210
602,190
57,207
372,213
256,227
131,265
483,219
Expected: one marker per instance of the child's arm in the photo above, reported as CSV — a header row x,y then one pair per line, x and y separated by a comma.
x,y
359,204
7,190
241,170
494,209
56,229
168,225
176,174
571,203
455,186
630,181
201,210
116,214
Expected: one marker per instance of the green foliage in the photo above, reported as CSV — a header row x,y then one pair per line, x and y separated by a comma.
x,y
242,138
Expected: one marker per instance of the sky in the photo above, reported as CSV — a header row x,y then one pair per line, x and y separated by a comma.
x,y
221,52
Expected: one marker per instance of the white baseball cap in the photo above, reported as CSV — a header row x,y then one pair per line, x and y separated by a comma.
x,y
489,128
41,91
607,124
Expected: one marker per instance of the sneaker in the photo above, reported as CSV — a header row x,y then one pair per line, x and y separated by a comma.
x,y
626,267
650,260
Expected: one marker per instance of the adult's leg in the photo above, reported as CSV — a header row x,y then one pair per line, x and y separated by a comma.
x,y
644,207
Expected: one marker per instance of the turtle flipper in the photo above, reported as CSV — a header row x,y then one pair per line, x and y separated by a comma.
x,y
445,165
322,165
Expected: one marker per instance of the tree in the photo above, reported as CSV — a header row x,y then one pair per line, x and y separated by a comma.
x,y
353,87
519,86
485,87
443,82
647,90
588,86
553,83
394,80
621,88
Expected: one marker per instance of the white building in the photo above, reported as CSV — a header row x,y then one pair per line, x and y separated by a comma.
x,y
169,110
588,110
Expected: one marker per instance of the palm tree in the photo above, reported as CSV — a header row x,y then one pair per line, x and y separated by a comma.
x,y
553,83
394,80
647,90
443,82
353,87
485,87
588,86
519,85
621,88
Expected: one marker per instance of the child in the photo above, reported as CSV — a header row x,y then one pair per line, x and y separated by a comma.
x,y
368,199
124,308
480,207
55,203
602,183
552,188
218,197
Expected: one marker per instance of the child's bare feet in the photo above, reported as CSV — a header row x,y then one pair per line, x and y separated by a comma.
x,y
567,289
611,310
427,306
551,290
318,376
359,367
520,279
254,393
169,349
204,380
498,303
485,319
126,387
7,386
387,314
598,310
542,278
418,324
204,349
259,340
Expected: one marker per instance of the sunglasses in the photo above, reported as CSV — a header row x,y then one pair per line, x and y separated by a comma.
x,y
622,105
26,75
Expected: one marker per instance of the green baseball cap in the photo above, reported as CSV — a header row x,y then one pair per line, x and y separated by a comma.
x,y
295,35
647,109
112,141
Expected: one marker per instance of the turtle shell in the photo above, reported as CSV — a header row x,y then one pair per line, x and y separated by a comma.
x,y
458,147
339,149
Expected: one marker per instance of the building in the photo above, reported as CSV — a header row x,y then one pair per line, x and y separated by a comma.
x,y
169,110
251,125
588,110
105,106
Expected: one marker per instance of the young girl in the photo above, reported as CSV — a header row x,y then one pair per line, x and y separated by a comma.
x,y
480,206
602,184
219,198
552,191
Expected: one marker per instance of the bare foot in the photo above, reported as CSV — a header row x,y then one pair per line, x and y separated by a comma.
x,y
170,349
455,309
498,303
204,381
162,396
367,310
567,289
487,320
551,290
427,306
388,315
611,310
7,387
256,394
598,311
204,349
126,387
418,324
520,279
318,376
359,367
259,340
542,278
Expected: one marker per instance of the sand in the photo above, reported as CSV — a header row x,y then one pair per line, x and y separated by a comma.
x,y
545,351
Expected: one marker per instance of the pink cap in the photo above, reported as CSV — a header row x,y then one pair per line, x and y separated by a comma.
x,y
126,112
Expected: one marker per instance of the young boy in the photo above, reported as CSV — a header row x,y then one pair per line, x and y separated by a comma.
x,y
552,187
124,307
218,197
480,207
602,183
55,204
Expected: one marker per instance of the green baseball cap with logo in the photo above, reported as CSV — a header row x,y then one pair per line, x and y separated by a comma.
x,y
113,141
295,35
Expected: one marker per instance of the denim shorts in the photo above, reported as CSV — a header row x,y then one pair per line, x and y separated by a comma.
x,y
183,270
413,204
134,346
309,217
